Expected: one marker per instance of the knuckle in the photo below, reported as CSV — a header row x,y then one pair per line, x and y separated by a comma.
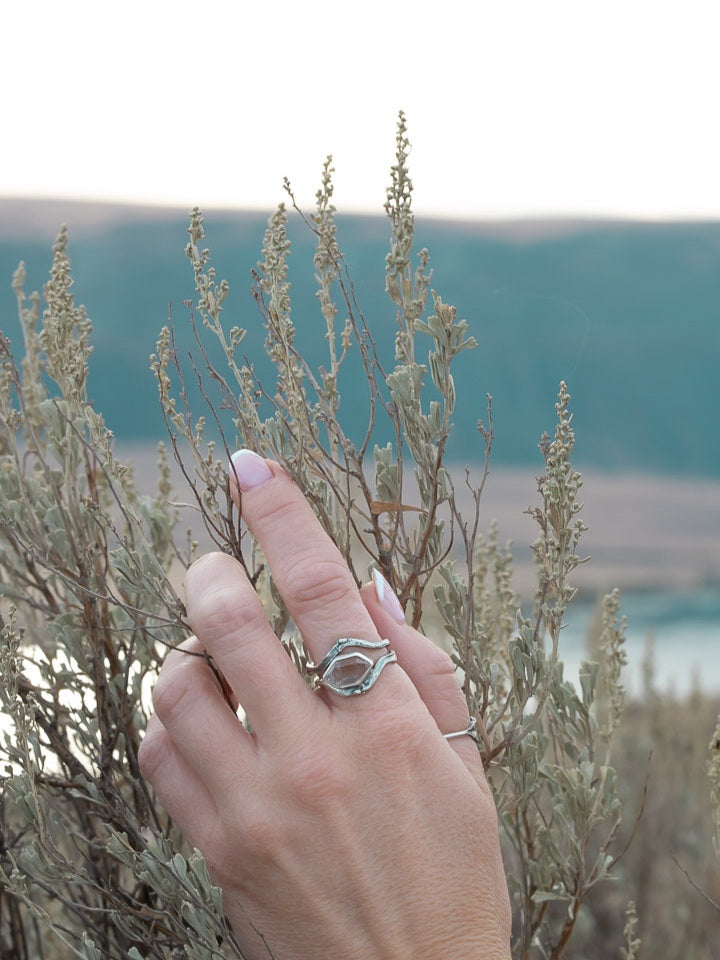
x,y
272,511
211,610
441,674
225,612
223,864
404,741
315,780
153,751
261,837
175,692
316,584
439,664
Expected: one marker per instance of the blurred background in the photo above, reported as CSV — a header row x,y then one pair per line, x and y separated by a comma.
x,y
565,163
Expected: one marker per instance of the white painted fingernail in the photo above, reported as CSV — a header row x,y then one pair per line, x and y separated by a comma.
x,y
387,597
249,469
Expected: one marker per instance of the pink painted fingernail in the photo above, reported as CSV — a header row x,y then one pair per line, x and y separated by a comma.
x,y
250,469
387,597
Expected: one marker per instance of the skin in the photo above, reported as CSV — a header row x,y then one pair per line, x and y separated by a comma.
x,y
341,827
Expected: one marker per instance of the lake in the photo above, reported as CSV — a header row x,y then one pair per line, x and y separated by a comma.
x,y
681,628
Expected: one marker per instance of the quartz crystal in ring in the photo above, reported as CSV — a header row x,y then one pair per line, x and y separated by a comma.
x,y
350,674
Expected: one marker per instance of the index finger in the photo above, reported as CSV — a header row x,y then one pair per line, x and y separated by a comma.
x,y
307,567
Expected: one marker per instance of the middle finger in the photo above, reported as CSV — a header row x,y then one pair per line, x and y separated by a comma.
x,y
307,567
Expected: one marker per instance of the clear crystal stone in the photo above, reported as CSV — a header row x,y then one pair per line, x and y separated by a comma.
x,y
348,670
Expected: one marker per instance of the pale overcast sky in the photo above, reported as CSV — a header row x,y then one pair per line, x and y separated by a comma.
x,y
515,107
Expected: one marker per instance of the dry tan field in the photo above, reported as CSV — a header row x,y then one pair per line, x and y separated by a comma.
x,y
643,531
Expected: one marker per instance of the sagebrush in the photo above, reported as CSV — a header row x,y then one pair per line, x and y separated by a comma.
x,y
90,865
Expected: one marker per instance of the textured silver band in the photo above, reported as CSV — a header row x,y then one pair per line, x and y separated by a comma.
x,y
350,674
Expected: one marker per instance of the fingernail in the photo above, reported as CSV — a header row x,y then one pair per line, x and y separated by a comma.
x,y
250,469
387,598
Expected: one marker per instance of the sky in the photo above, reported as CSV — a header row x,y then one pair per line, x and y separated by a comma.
x,y
515,108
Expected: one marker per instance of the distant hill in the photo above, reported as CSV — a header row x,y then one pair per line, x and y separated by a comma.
x,y
627,313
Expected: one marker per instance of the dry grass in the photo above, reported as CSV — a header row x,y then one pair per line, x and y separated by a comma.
x,y
670,869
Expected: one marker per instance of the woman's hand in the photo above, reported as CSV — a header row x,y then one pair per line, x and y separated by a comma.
x,y
342,827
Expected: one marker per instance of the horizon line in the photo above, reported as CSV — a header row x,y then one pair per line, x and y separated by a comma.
x,y
552,216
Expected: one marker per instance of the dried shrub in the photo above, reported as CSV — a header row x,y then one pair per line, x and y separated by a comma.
x,y
86,852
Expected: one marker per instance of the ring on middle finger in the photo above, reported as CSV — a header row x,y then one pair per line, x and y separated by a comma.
x,y
351,674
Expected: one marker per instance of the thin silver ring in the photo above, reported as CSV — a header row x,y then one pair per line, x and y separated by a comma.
x,y
469,731
350,674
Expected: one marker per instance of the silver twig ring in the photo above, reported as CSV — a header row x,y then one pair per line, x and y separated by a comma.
x,y
469,731
350,674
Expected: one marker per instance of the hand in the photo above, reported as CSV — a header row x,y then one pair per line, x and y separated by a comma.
x,y
341,827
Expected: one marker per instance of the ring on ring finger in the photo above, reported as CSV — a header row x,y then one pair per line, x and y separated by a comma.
x,y
469,731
